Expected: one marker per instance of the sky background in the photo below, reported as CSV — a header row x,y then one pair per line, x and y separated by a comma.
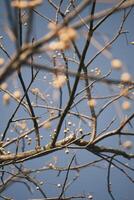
x,y
91,180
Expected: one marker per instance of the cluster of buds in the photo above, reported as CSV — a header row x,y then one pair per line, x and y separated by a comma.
x,y
59,81
65,36
6,97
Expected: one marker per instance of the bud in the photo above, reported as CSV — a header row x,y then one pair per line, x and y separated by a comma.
x,y
17,94
116,64
2,61
91,103
127,144
6,98
4,86
125,77
67,34
59,81
47,124
126,105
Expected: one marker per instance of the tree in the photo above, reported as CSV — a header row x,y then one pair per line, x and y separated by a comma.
x,y
64,115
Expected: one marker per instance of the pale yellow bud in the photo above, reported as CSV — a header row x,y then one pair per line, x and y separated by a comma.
x,y
17,94
126,105
6,98
23,125
127,144
67,34
116,64
91,103
125,77
2,61
35,91
47,124
59,45
59,81
4,86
